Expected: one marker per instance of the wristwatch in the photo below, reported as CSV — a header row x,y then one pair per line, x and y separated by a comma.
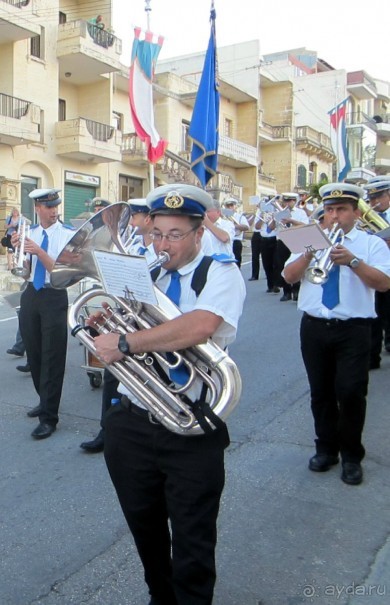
x,y
355,262
123,345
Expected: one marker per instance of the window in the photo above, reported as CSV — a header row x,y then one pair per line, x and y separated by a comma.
x,y
228,128
186,142
130,188
117,120
61,18
61,110
302,176
35,47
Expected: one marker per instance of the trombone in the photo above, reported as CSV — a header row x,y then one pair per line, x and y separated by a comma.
x,y
19,269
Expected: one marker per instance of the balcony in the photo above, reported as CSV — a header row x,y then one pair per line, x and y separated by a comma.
x,y
133,150
85,53
20,121
360,85
223,183
236,153
266,184
87,141
274,134
15,21
313,142
383,126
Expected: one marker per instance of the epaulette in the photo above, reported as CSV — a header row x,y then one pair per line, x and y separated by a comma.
x,y
223,258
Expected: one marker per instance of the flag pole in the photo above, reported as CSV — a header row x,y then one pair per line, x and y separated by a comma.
x,y
148,10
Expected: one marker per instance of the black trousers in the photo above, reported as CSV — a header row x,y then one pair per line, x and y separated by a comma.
x,y
380,328
237,251
43,326
268,257
110,392
159,475
336,356
256,244
281,255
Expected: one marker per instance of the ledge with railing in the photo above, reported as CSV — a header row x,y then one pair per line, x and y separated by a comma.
x,y
17,3
12,107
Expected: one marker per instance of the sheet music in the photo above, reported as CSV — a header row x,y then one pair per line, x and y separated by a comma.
x,y
299,239
125,276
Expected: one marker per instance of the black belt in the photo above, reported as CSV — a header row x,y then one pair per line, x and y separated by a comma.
x,y
135,409
365,321
46,286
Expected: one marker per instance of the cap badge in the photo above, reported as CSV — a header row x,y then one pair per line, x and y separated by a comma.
x,y
337,193
174,200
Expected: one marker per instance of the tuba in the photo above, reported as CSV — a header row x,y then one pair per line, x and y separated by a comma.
x,y
318,274
144,375
370,220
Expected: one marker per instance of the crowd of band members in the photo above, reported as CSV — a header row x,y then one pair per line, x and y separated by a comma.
x,y
127,435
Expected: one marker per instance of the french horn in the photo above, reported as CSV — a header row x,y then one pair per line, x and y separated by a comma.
x,y
207,364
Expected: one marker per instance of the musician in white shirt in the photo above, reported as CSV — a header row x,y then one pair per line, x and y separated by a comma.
x,y
219,232
240,226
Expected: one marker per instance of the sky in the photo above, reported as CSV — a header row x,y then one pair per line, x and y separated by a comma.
x,y
346,34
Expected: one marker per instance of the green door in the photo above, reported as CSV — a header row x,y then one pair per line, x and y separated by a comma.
x,y
75,198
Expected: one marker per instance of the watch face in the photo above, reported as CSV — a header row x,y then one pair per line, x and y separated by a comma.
x,y
123,345
354,263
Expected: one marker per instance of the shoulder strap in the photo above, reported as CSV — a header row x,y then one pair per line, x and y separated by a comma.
x,y
199,277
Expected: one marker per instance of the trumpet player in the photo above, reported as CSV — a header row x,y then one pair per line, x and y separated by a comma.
x,y
43,310
336,330
297,217
240,226
162,477
378,191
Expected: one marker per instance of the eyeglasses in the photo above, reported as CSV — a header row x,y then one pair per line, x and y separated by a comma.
x,y
170,237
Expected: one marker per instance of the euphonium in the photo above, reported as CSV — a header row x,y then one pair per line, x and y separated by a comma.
x,y
319,273
370,219
19,257
206,363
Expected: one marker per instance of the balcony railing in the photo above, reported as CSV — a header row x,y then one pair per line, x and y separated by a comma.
x,y
18,3
12,107
237,150
359,117
314,136
99,131
276,132
100,36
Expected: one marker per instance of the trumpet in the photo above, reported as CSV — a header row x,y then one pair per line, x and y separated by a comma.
x,y
319,273
19,268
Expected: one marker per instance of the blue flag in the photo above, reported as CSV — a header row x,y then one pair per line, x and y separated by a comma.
x,y
204,123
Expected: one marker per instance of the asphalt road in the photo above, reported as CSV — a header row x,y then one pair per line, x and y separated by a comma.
x,y
286,536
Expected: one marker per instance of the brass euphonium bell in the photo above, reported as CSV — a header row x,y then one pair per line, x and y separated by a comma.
x,y
206,363
370,219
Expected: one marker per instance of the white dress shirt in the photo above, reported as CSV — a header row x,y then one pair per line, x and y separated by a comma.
x,y
356,299
212,245
58,236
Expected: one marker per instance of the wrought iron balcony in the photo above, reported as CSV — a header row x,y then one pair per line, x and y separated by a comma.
x,y
19,121
87,140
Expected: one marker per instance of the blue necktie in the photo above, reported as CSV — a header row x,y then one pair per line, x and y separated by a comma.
x,y
174,288
142,250
330,289
180,374
40,271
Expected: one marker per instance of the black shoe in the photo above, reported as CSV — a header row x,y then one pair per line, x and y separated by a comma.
x,y
35,412
43,431
15,352
374,365
95,446
253,279
276,290
352,473
25,368
322,462
285,297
